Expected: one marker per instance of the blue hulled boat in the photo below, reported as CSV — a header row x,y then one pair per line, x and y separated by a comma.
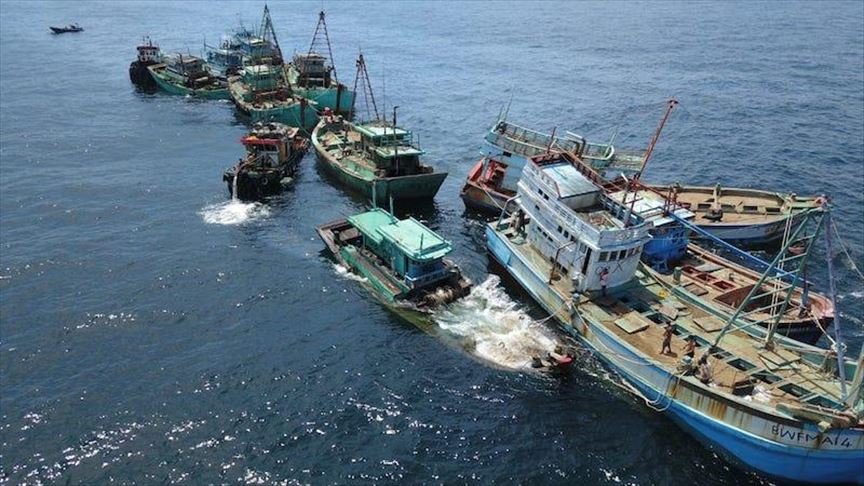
x,y
769,403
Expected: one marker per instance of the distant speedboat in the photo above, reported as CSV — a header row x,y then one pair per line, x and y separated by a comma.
x,y
68,28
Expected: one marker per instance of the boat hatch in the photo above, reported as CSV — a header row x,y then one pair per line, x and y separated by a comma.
x,y
741,364
794,390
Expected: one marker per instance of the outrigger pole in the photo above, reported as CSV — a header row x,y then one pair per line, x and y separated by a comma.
x,y
362,77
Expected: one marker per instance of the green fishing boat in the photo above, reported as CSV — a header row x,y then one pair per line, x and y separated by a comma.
x,y
402,262
377,158
262,92
313,76
261,89
187,75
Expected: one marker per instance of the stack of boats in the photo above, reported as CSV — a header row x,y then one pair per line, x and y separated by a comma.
x,y
642,275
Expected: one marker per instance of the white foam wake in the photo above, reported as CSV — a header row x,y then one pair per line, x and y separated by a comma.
x,y
234,212
494,328
344,272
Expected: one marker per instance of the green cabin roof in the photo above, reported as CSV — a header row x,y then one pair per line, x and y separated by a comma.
x,y
409,236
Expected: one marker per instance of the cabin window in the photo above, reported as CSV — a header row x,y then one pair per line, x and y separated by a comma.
x,y
567,235
537,207
560,229
604,256
751,208
622,254
773,210
545,197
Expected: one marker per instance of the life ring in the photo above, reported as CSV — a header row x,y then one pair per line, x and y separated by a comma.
x,y
264,181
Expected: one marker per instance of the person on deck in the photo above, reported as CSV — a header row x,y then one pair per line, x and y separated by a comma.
x,y
667,339
704,372
604,280
690,346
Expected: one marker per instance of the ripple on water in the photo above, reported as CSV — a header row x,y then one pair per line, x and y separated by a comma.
x,y
495,328
234,212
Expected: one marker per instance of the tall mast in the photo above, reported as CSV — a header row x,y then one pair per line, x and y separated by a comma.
x,y
829,247
315,46
671,104
362,78
267,33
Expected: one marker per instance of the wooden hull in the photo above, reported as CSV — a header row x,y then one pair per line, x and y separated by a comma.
x,y
807,327
293,113
409,187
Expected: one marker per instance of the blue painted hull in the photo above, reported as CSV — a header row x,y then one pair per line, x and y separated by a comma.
x,y
771,457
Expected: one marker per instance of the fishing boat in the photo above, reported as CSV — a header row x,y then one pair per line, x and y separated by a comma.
x,y
402,262
148,55
68,28
747,217
769,403
313,76
226,59
262,91
706,279
376,157
188,76
492,180
273,152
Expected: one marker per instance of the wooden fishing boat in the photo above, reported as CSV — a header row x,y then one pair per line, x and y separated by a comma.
x,y
374,157
786,409
187,76
708,280
747,217
68,28
148,55
245,47
313,76
262,93
402,262
377,159
273,152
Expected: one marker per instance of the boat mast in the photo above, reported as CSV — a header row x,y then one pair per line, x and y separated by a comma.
x,y
321,27
670,105
362,78
267,33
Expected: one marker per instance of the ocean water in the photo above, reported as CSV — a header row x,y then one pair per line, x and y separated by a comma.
x,y
152,331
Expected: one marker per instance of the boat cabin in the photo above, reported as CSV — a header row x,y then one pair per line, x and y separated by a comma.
x,y
262,77
391,149
669,238
413,252
148,53
313,70
270,145
573,223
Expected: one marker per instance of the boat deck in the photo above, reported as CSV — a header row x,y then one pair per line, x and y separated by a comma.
x,y
638,311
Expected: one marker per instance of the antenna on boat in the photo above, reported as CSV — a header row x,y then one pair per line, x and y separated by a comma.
x,y
321,27
669,107
507,111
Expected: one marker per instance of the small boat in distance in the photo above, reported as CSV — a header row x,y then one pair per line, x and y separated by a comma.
x,y
273,152
402,262
148,55
375,157
313,76
69,28
187,75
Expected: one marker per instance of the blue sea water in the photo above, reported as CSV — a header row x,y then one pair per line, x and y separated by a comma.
x,y
150,332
